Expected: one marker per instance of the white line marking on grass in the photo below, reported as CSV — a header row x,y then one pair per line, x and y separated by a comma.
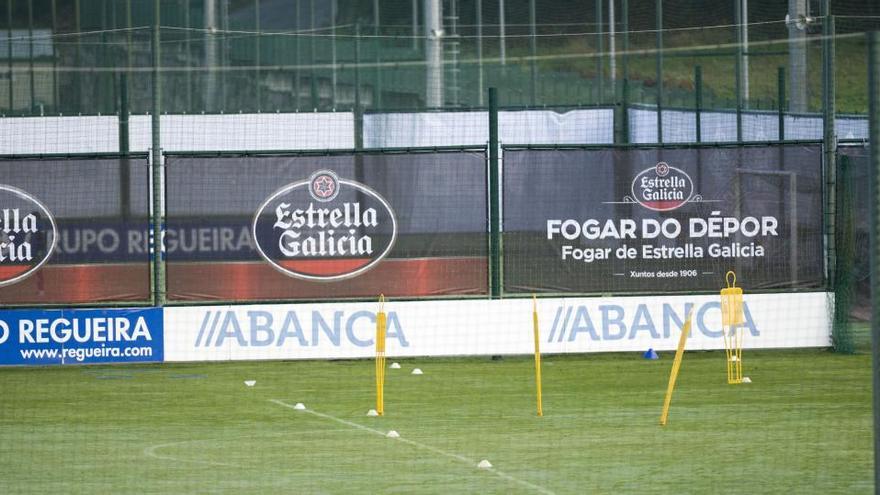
x,y
419,445
151,452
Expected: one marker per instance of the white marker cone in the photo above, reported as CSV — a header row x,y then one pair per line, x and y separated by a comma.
x,y
393,434
372,412
300,406
250,383
484,464
417,371
747,379
395,366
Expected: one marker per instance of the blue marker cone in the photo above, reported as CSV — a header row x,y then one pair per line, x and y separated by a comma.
x,y
650,354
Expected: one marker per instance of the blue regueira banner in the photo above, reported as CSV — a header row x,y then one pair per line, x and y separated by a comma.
x,y
81,336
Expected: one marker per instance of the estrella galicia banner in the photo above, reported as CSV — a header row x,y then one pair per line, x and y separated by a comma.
x,y
81,336
327,226
73,230
662,219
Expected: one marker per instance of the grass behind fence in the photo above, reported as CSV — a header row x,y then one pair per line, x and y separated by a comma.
x,y
803,425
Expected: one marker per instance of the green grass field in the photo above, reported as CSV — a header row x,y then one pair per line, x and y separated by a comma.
x,y
804,426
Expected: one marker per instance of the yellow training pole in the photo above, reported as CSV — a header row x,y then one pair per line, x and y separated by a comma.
x,y
676,364
381,320
537,333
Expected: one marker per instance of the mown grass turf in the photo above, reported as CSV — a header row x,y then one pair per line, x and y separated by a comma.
x,y
803,426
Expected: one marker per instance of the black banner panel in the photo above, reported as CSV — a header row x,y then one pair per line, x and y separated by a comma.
x,y
662,220
74,230
333,226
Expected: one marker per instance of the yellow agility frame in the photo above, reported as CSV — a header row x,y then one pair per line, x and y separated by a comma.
x,y
732,319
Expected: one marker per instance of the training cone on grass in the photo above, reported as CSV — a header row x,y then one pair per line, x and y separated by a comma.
x,y
395,366
417,371
392,434
747,379
250,383
484,464
300,406
372,413
650,354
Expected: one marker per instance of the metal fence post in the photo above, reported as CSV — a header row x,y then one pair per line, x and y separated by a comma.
x,y
358,109
659,69
156,162
698,104
829,143
780,84
125,196
874,200
494,200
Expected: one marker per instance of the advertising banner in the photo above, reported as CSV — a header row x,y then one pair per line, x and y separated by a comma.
x,y
81,336
487,327
332,226
668,220
67,230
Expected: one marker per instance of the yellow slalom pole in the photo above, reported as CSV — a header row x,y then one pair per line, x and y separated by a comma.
x,y
537,333
676,364
381,320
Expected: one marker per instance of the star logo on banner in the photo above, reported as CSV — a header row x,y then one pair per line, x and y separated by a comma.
x,y
324,186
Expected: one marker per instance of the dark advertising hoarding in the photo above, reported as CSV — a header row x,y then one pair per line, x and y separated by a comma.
x,y
662,220
61,228
330,226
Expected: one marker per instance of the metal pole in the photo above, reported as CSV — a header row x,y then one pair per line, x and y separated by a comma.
x,y
9,52
698,110
612,44
56,97
745,49
187,21
494,200
600,47
124,163
780,84
258,79
533,50
659,70
874,200
334,74
480,82
621,120
797,56
210,19
31,88
358,111
224,56
415,24
830,141
313,89
78,57
156,162
129,40
501,29
377,99
105,85
296,58
433,54
738,72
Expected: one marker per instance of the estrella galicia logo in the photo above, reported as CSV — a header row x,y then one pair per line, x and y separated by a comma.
x,y
324,228
662,188
324,185
28,234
